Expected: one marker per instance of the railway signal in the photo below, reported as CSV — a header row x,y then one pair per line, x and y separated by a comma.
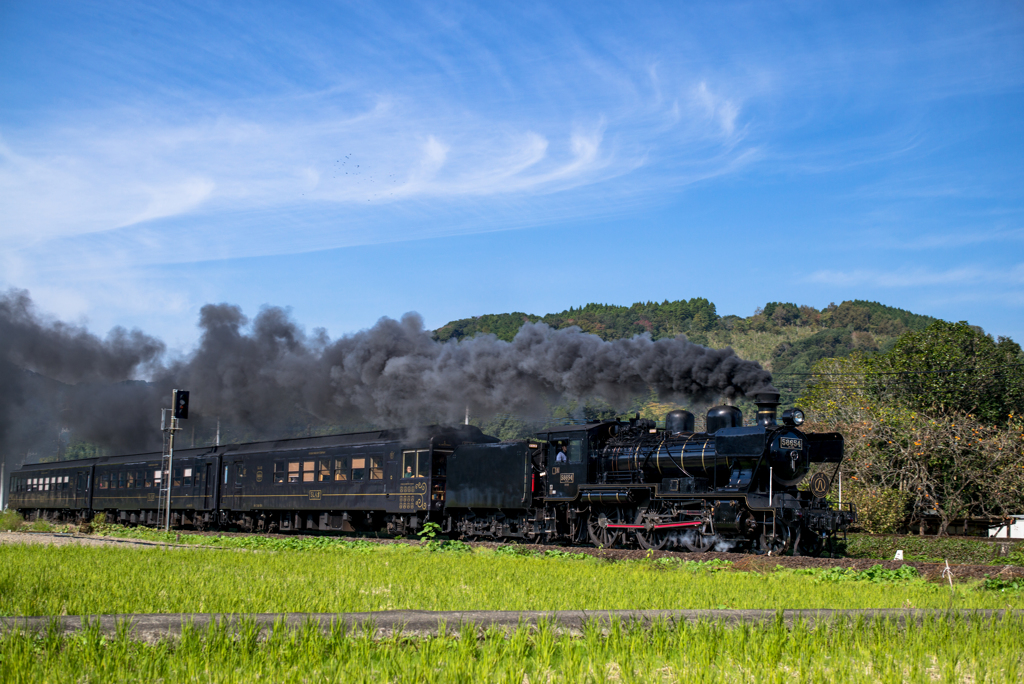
x,y
181,404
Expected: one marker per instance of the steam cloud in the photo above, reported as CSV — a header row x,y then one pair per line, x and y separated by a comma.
x,y
61,377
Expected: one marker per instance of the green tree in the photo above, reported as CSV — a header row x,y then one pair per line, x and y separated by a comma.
x,y
952,367
906,465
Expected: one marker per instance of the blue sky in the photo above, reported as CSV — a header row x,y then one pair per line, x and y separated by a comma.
x,y
357,160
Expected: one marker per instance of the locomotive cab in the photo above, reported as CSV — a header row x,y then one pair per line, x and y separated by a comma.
x,y
567,462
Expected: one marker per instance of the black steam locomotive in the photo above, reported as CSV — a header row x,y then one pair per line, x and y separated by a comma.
x,y
607,483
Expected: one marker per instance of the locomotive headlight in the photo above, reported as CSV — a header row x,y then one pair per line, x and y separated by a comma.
x,y
793,417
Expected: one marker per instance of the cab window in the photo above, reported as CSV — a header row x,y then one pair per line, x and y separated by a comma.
x,y
575,451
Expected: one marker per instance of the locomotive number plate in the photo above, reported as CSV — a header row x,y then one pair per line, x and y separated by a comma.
x,y
791,443
566,477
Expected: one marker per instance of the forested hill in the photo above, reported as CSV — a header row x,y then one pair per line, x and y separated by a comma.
x,y
784,337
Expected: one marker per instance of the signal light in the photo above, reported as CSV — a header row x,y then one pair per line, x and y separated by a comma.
x,y
181,404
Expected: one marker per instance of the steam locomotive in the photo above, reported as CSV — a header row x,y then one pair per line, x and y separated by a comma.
x,y
607,483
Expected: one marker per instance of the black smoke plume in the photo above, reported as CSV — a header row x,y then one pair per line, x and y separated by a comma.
x,y
269,378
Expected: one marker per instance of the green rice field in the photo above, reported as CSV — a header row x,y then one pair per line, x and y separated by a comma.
x,y
82,580
260,575
939,650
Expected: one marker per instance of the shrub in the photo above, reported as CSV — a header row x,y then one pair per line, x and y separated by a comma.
x,y
879,510
10,521
41,525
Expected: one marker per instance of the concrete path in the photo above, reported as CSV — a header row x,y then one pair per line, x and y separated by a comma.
x,y
415,623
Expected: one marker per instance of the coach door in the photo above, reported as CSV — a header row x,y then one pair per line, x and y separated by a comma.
x,y
209,485
392,465
81,490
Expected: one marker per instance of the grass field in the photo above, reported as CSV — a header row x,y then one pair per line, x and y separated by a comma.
x,y
353,577
941,649
253,574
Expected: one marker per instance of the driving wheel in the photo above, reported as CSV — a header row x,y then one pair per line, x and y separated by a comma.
x,y
597,527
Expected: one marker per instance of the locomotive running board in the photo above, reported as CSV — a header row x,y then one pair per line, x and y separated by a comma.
x,y
656,527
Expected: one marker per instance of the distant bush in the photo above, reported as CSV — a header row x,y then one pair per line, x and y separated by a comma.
x,y
10,521
41,525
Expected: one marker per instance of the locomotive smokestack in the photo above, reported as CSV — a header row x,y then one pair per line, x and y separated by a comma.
x,y
767,400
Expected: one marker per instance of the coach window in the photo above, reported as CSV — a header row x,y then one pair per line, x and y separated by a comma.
x,y
376,471
130,481
279,472
423,463
122,478
294,471
148,478
309,471
176,480
105,481
158,477
324,474
358,468
188,478
408,464
340,469
140,479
